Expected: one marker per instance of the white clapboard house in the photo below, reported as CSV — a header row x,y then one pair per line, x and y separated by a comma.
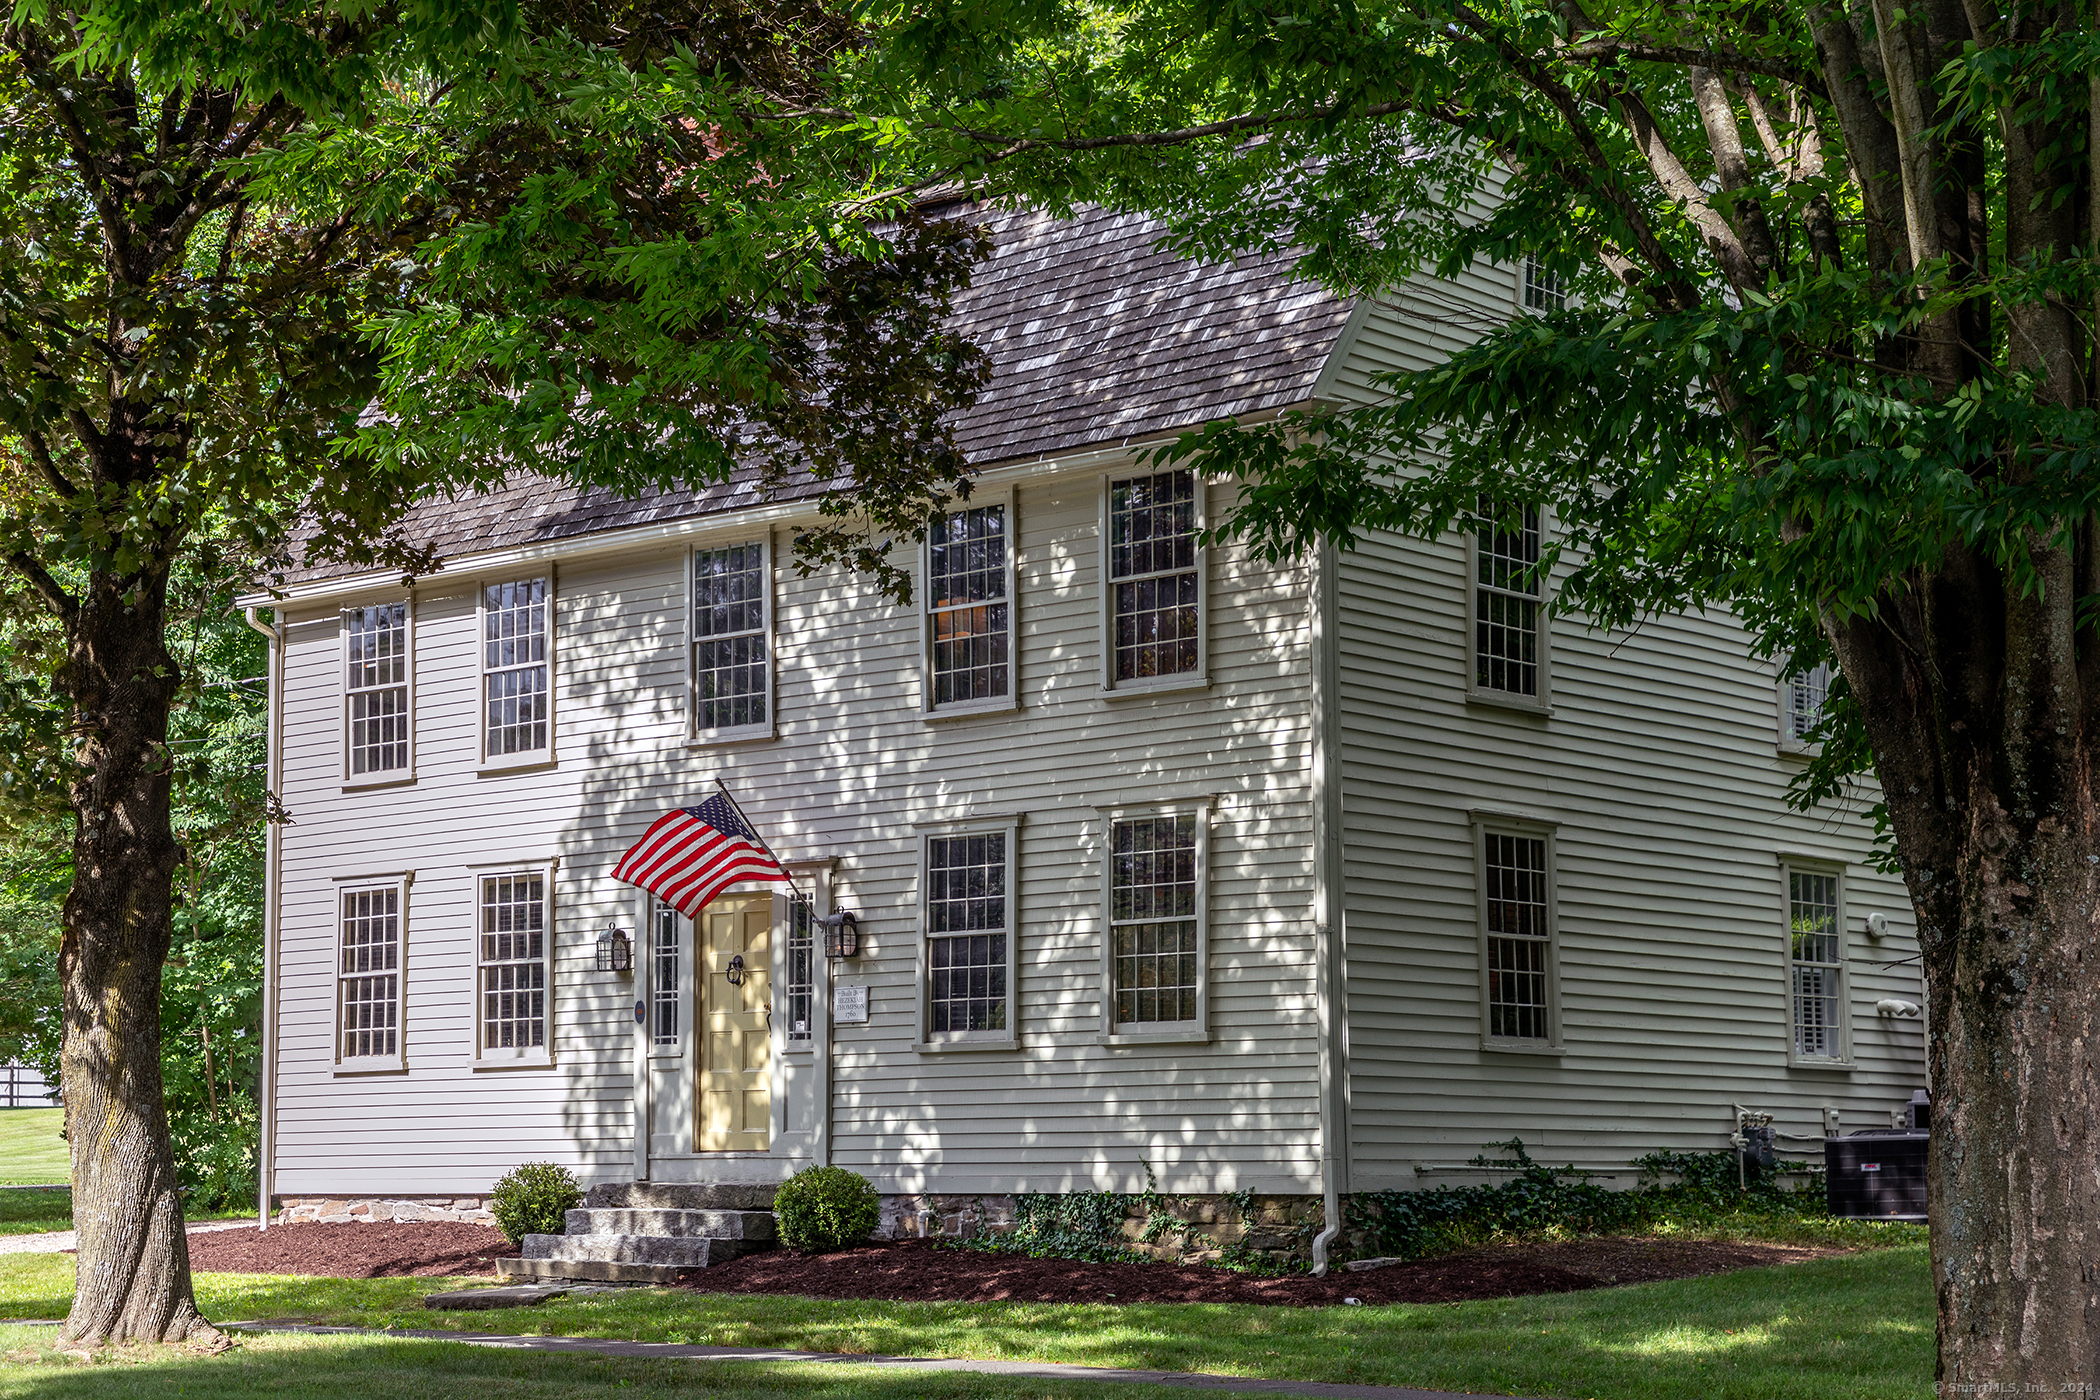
x,y
1304,880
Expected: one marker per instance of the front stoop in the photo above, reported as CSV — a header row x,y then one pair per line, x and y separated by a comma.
x,y
641,1232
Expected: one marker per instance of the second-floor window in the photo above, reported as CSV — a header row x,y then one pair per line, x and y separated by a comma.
x,y
1507,645
1801,700
969,612
1155,579
1543,288
376,690
514,659
732,653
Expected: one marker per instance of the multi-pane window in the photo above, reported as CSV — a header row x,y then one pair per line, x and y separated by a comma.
x,y
801,997
1153,921
1543,288
514,962
514,668
967,933
1506,602
1802,701
375,689
969,616
368,978
1519,936
1155,577
664,960
730,673
1816,959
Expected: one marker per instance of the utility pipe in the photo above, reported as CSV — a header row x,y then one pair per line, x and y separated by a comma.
x,y
266,1145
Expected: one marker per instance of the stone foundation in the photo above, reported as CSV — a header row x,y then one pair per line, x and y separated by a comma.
x,y
1189,1228
355,1210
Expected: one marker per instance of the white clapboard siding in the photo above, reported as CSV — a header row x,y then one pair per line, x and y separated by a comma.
x,y
853,768
1660,766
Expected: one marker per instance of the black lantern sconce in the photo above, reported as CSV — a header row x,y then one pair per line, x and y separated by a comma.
x,y
841,934
615,953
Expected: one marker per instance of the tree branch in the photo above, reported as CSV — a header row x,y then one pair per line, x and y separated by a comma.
x,y
61,601
1595,46
40,454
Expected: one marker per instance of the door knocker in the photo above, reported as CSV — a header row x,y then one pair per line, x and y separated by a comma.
x,y
735,972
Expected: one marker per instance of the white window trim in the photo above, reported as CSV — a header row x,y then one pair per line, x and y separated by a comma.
x,y
1782,701
1483,825
516,1057
1195,1032
531,758
1814,865
670,1050
399,777
1199,679
925,1041
1476,694
729,734
1010,701
396,1063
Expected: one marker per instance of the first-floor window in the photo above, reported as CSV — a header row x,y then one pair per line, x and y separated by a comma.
x,y
1155,928
663,976
514,962
801,967
1517,932
368,987
968,932
1816,963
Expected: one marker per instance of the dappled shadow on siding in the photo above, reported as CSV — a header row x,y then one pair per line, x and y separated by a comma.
x,y
855,772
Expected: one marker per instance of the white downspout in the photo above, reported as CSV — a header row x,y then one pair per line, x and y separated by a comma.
x,y
273,847
1327,910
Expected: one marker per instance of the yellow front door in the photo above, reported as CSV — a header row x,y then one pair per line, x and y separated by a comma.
x,y
736,1057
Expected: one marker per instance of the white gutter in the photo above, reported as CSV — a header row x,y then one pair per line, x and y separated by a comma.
x,y
273,848
669,532
1329,910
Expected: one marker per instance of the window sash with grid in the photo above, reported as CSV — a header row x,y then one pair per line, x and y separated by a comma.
x,y
665,958
1155,577
731,651
801,998
375,689
516,709
1154,925
1518,931
968,936
969,616
1506,605
1816,965
1806,695
513,946
368,974
1543,289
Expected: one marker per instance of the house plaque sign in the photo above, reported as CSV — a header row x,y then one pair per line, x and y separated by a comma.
x,y
849,1005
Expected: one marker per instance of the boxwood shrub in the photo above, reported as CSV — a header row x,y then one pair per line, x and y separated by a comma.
x,y
534,1199
826,1208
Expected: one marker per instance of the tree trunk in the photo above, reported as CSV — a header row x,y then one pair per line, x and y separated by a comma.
x,y
133,1280
1974,702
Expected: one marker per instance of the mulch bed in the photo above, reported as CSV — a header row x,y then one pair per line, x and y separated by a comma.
x,y
918,1270
413,1249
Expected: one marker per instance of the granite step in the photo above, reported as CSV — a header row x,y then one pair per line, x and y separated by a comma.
x,y
657,1195
594,1270
677,1251
692,1224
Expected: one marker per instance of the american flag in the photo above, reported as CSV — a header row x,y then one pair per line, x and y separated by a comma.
x,y
689,856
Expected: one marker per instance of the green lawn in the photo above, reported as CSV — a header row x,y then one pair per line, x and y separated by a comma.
x,y
383,1368
1857,1327
31,1151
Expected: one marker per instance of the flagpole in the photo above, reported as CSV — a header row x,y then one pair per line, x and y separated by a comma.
x,y
752,827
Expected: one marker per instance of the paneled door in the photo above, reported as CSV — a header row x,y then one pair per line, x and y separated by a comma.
x,y
736,1055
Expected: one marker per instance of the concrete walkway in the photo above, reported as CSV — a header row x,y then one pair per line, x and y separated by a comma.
x,y
1038,1370
58,1241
